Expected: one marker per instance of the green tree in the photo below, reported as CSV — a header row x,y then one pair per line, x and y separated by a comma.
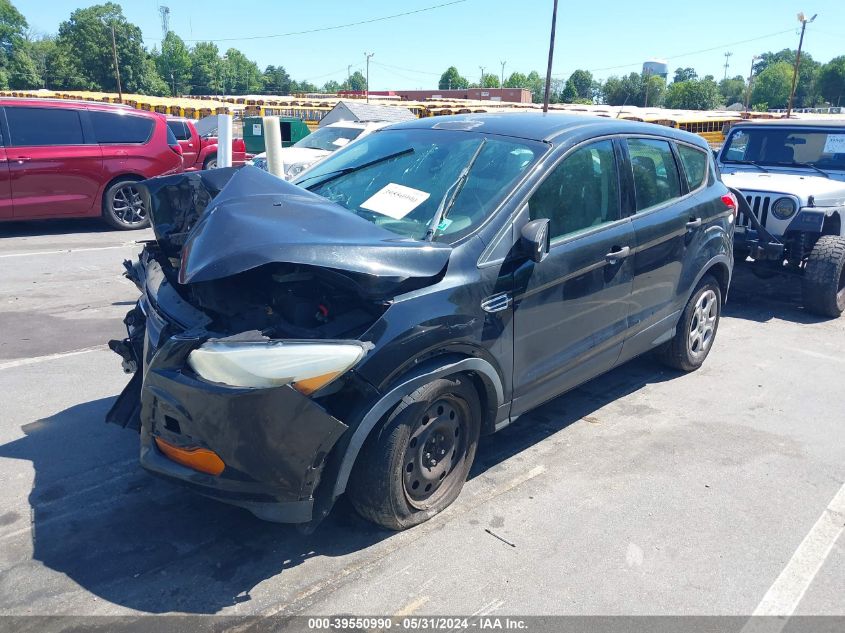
x,y
536,84
772,85
357,81
206,69
806,90
451,78
13,28
85,39
241,74
174,64
634,90
582,83
490,81
694,94
831,80
276,80
516,80
685,74
569,94
22,71
331,87
732,90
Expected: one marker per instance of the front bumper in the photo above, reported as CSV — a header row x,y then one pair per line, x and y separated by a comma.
x,y
273,441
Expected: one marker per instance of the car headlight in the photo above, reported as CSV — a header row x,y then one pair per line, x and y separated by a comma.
x,y
305,366
784,208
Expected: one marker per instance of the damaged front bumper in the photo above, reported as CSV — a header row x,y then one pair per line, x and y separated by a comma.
x,y
273,442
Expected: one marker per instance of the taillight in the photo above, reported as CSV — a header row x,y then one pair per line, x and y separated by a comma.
x,y
729,200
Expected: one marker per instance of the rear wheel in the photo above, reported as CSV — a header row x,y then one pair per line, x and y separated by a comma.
x,y
210,162
123,207
416,464
823,286
696,329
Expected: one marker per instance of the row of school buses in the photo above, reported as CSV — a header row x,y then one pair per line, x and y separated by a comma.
x,y
711,125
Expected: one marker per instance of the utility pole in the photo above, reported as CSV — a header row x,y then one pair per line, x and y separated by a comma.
x,y
750,79
368,55
116,67
173,84
551,57
482,76
727,57
646,75
349,76
804,21
502,83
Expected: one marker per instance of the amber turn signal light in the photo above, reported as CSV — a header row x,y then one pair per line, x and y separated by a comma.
x,y
200,459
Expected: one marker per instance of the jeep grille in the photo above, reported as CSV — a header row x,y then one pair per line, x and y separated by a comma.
x,y
760,206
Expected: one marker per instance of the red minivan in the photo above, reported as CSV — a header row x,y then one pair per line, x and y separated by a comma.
x,y
62,159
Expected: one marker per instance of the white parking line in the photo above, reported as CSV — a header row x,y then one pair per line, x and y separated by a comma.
x,y
70,250
783,596
20,362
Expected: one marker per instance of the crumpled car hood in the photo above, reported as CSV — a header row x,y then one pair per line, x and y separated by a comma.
x,y
256,218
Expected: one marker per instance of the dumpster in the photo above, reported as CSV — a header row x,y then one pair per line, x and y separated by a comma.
x,y
292,130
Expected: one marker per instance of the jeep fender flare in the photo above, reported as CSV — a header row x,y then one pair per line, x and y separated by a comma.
x,y
427,371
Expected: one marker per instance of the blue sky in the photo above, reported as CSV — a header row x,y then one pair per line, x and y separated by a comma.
x,y
607,38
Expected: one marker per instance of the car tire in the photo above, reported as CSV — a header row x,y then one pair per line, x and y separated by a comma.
x,y
415,465
123,206
210,162
696,328
823,286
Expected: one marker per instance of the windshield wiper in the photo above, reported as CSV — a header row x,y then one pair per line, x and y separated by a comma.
x,y
332,175
451,195
811,166
749,162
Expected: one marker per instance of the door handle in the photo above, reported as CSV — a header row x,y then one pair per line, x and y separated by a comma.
x,y
22,159
618,253
694,223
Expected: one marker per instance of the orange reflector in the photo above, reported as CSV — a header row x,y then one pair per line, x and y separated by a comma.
x,y
310,385
200,459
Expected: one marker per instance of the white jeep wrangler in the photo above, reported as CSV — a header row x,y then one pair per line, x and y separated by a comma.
x,y
791,177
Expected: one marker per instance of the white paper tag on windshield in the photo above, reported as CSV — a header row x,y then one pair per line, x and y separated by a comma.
x,y
395,201
340,141
835,144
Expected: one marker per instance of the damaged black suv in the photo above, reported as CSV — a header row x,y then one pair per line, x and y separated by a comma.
x,y
358,331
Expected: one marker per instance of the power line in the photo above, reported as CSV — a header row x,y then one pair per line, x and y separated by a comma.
x,y
328,28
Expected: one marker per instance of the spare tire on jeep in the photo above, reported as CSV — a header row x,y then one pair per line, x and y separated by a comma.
x,y
824,277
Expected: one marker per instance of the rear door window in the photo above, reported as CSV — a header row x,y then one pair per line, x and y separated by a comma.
x,y
180,130
656,179
695,165
30,127
120,128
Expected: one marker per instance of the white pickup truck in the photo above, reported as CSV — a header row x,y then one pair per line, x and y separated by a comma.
x,y
791,174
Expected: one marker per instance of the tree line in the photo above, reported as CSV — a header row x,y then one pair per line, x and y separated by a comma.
x,y
79,57
771,81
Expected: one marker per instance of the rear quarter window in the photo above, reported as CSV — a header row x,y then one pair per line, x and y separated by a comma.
x,y
695,165
119,128
44,126
179,129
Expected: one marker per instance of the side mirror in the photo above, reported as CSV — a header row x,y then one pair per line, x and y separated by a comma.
x,y
535,239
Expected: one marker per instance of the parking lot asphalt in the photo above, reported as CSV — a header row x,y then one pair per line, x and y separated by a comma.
x,y
642,492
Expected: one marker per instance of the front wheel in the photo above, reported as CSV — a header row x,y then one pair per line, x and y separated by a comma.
x,y
415,465
210,162
823,286
696,329
123,207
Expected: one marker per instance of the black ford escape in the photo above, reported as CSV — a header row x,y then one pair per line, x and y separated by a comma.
x,y
425,286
